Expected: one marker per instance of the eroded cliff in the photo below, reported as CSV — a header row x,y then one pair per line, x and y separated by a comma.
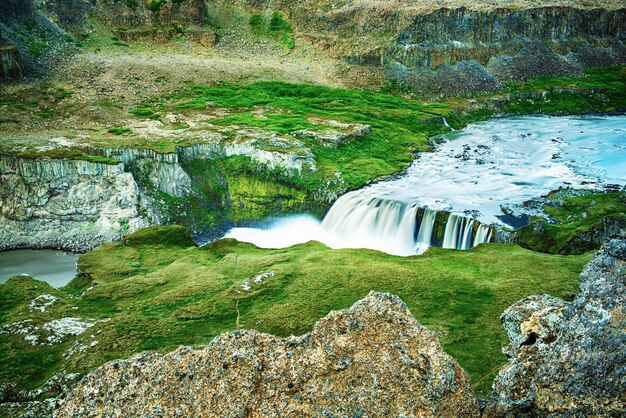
x,y
70,204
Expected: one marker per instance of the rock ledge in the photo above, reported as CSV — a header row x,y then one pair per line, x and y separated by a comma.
x,y
373,359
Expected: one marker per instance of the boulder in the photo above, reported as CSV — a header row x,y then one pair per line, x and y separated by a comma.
x,y
568,359
373,359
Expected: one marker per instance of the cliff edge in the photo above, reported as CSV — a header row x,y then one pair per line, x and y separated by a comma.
x,y
567,359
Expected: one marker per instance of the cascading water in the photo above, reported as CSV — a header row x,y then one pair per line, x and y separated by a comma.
x,y
396,227
480,168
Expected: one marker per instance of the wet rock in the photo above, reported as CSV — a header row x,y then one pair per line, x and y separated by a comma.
x,y
373,359
572,360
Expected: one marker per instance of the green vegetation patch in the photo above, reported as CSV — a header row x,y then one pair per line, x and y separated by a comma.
x,y
65,154
580,223
232,190
601,89
160,291
119,131
275,26
399,126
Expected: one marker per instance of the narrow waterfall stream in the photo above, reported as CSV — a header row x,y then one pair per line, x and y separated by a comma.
x,y
452,197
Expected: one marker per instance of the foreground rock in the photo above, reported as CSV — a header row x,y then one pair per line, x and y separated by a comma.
x,y
568,358
373,359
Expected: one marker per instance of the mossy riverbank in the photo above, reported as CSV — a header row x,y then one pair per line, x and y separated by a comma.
x,y
157,290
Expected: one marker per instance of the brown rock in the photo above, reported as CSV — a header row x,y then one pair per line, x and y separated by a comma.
x,y
373,359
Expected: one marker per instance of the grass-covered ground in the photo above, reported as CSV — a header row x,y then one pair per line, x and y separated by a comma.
x,y
579,222
399,126
160,291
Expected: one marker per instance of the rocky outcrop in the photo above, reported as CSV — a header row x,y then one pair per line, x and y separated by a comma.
x,y
37,40
418,37
451,35
567,359
453,50
373,359
70,204
142,13
10,67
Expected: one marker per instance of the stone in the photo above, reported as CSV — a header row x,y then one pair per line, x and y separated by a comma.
x,y
70,204
373,359
571,362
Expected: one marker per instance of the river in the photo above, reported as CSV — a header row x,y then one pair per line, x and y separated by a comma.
x,y
470,175
55,267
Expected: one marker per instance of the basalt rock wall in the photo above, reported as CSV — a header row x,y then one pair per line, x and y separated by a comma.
x,y
69,204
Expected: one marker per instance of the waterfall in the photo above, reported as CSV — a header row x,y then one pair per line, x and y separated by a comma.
x,y
484,233
425,232
366,221
459,231
396,227
445,123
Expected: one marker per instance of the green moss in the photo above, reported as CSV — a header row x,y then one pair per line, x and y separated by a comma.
x,y
578,218
145,112
174,235
160,291
155,5
275,27
65,154
601,89
119,131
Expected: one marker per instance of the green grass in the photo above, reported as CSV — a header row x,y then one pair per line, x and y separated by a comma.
x,y
577,217
161,291
65,154
145,113
611,78
604,90
275,27
400,126
119,131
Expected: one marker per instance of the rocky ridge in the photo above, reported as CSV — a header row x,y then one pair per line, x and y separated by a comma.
x,y
567,359
327,372
375,359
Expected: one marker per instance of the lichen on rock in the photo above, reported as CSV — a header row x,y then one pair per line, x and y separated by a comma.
x,y
373,359
571,360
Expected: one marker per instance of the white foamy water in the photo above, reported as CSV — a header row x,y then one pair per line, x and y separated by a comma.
x,y
471,174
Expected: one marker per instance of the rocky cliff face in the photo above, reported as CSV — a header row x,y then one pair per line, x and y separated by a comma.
x,y
68,204
10,67
452,50
143,13
373,359
447,35
77,205
37,40
567,359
